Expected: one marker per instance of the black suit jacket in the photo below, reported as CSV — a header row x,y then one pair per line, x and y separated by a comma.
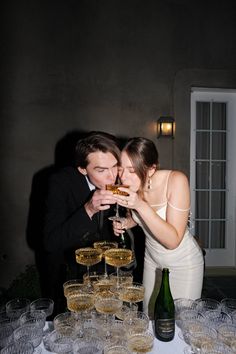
x,y
67,226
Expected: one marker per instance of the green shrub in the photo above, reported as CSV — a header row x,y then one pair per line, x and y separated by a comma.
x,y
26,285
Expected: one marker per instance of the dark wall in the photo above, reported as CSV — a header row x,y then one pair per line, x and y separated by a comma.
x,y
113,65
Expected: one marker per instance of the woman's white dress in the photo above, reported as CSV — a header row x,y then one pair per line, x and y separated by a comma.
x,y
185,263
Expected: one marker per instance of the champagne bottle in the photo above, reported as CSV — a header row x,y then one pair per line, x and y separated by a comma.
x,y
124,238
124,241
164,313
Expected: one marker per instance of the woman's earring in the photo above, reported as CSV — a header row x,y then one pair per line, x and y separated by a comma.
x,y
149,183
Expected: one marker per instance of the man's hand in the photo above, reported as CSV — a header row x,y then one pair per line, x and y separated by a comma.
x,y
101,200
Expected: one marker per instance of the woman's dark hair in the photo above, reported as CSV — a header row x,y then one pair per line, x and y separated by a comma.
x,y
143,155
95,141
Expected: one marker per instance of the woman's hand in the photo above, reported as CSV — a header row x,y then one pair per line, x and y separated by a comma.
x,y
119,227
131,201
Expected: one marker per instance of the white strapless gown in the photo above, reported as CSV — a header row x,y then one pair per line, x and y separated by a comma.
x,y
185,263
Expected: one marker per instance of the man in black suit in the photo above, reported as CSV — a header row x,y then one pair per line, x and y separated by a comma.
x,y
77,207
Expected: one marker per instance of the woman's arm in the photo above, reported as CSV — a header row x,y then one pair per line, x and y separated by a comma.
x,y
168,232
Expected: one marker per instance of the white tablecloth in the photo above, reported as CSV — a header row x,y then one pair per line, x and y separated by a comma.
x,y
176,346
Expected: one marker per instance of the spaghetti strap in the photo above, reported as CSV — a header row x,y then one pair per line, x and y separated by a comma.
x,y
171,205
167,183
179,209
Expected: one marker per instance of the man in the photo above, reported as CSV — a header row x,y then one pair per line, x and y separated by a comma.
x,y
76,209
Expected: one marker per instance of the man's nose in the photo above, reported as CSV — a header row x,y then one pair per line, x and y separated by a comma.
x,y
122,174
112,174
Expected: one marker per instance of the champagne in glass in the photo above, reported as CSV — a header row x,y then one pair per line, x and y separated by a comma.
x,y
108,306
79,299
115,190
132,293
140,342
118,257
88,256
105,245
78,302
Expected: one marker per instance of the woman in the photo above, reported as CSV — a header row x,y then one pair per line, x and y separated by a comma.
x,y
160,202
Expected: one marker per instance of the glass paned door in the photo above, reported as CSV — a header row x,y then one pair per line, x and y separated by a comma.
x,y
212,193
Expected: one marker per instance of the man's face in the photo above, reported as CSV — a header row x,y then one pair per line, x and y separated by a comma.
x,y
101,169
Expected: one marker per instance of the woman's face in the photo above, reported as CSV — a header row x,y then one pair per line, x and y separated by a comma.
x,y
127,173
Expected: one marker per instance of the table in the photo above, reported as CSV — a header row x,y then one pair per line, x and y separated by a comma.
x,y
176,346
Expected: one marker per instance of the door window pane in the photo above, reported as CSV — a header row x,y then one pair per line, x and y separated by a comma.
x,y
218,234
202,231
202,145
218,175
202,175
202,205
203,115
218,205
219,146
219,116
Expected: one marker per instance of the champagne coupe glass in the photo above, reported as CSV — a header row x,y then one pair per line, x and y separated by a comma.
x,y
79,300
118,257
140,342
132,293
105,245
116,349
115,190
137,321
88,256
108,306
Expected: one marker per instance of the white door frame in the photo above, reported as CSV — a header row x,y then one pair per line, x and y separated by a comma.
x,y
226,256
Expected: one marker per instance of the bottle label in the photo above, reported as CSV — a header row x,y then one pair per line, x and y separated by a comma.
x,y
165,328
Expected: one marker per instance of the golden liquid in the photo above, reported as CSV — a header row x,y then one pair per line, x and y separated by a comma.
x,y
102,285
140,343
132,294
117,350
73,288
118,257
88,256
80,302
120,315
106,293
138,325
92,278
228,339
115,190
123,279
105,245
108,306
197,342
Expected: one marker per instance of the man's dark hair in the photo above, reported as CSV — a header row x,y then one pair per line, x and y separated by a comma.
x,y
95,141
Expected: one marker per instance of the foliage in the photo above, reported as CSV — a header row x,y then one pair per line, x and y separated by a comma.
x,y
26,285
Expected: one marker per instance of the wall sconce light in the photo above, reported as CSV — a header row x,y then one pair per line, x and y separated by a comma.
x,y
166,127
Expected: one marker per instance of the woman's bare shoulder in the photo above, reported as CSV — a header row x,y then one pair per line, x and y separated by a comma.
x,y
178,180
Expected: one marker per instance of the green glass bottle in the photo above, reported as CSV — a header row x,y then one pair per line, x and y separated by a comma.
x,y
164,313
124,241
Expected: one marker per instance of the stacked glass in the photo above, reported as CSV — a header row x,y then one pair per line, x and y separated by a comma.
x,y
207,325
98,306
21,326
